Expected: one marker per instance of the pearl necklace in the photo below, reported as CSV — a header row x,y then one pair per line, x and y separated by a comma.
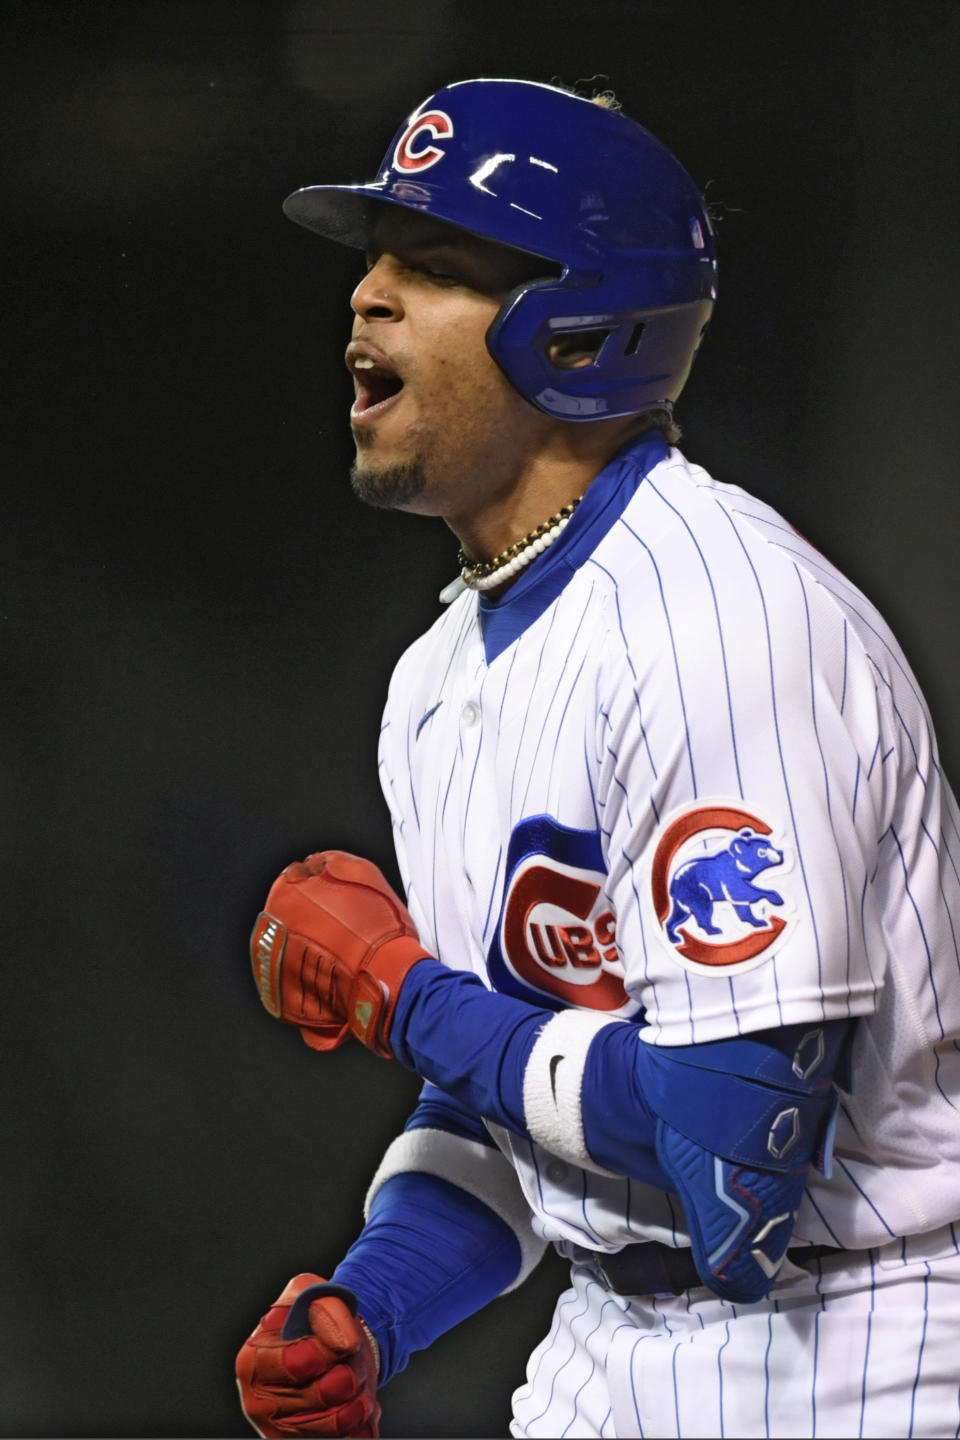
x,y
487,574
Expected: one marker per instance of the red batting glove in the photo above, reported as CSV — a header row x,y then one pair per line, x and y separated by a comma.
x,y
324,1382
332,948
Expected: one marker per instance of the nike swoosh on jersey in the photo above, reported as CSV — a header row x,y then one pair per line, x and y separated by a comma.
x,y
425,717
554,1062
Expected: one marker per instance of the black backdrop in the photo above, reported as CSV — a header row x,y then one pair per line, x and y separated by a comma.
x,y
199,621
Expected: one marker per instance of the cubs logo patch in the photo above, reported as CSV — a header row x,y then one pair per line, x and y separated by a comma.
x,y
716,907
555,944
411,153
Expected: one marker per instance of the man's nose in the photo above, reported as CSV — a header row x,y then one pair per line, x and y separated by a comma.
x,y
375,298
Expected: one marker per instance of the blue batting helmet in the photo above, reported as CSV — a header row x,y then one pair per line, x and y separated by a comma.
x,y
557,176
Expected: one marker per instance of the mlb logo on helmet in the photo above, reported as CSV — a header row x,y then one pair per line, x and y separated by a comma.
x,y
710,909
555,943
410,153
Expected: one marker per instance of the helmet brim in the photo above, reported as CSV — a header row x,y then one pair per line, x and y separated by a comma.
x,y
344,213
347,213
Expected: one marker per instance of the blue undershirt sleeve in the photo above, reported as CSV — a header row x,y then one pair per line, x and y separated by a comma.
x,y
471,1042
429,1256
476,1045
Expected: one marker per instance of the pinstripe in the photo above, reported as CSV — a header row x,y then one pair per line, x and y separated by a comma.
x,y
526,714
766,1376
720,640
566,1362
556,691
776,729
923,1341
545,1349
733,1001
923,934
590,786
436,832
493,891
776,988
413,797
866,1350
834,1237
859,1188
889,650
629,660
726,1342
485,676
816,1361
856,790
639,911
826,776
585,1181
633,1387
863,928
593,1366
661,1315
563,717
945,848
673,649
620,785
514,652
903,724
953,933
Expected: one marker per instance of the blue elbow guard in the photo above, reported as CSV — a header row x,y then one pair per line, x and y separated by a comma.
x,y
740,1122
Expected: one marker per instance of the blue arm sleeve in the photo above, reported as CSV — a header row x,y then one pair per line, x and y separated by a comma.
x,y
732,1126
473,1043
476,1045
431,1253
429,1256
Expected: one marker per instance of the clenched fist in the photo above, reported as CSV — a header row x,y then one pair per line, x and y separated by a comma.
x,y
310,1369
331,949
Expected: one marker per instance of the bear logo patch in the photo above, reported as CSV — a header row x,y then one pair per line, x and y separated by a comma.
x,y
714,891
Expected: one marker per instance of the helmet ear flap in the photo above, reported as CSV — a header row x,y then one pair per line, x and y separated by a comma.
x,y
628,359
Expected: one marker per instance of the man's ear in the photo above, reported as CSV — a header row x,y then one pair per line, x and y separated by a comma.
x,y
576,349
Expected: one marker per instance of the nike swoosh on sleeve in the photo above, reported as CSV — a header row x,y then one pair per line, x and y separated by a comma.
x,y
554,1062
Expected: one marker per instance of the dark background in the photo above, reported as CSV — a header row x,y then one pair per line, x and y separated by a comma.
x,y
199,621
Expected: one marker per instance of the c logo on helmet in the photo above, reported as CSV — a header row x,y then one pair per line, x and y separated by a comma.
x,y
410,155
555,942
703,884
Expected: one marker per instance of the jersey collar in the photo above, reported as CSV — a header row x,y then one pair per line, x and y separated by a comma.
x,y
504,620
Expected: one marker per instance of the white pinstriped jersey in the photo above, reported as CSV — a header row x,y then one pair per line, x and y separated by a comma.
x,y
700,790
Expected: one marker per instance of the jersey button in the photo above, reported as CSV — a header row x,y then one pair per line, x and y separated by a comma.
x,y
557,1171
470,713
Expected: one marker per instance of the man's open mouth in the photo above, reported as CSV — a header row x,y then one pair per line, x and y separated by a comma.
x,y
375,378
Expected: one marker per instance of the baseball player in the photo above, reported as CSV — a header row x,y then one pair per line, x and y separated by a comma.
x,y
677,959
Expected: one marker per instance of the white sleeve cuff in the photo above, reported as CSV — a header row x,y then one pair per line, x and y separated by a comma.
x,y
553,1082
479,1169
